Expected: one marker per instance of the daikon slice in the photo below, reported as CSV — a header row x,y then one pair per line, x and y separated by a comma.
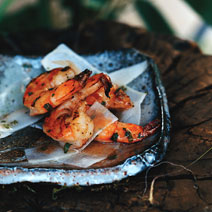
x,y
62,56
45,154
83,160
53,154
101,117
15,73
126,75
133,115
94,153
16,120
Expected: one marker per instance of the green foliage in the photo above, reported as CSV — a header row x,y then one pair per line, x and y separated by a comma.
x,y
202,7
85,10
153,19
28,17
3,7
41,15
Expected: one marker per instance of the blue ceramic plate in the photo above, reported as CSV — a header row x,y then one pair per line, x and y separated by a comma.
x,y
128,161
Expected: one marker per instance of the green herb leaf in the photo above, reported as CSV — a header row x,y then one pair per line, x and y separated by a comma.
x,y
128,134
66,147
10,124
103,103
140,136
114,137
120,88
48,107
33,104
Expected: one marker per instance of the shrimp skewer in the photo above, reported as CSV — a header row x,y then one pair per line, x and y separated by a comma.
x,y
127,132
51,89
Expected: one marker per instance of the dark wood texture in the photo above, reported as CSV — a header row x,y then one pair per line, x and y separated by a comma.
x,y
187,76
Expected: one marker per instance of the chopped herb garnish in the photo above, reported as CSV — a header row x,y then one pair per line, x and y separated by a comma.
x,y
66,147
128,134
48,107
140,136
6,126
50,89
33,104
30,93
14,122
10,124
114,137
120,88
53,94
103,103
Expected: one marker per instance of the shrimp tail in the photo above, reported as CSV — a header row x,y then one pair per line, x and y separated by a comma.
x,y
83,76
127,132
107,85
151,127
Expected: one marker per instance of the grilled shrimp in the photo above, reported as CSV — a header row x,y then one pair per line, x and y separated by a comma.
x,y
117,99
71,95
127,132
69,125
51,89
69,121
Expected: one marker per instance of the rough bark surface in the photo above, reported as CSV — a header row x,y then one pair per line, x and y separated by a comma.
x,y
187,76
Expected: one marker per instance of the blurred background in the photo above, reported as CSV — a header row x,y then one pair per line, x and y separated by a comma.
x,y
187,19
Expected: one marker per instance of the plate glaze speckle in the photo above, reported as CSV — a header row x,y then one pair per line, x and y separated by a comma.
x,y
15,169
